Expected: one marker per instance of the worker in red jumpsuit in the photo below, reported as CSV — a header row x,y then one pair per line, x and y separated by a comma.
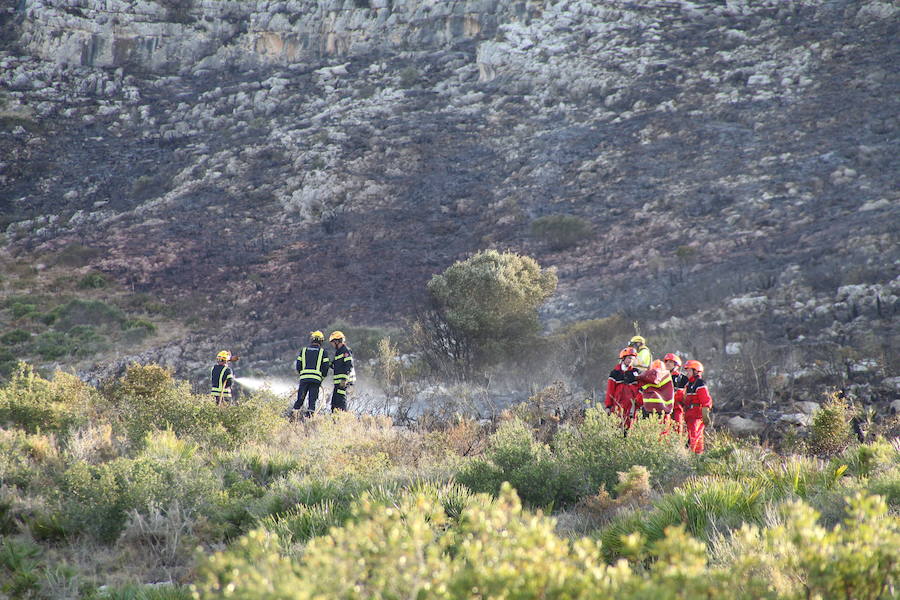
x,y
621,388
697,404
679,381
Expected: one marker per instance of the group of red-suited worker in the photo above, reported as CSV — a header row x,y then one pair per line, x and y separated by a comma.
x,y
665,388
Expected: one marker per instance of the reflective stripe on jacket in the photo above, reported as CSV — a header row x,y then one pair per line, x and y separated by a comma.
x,y
619,386
696,398
220,380
342,365
657,397
312,364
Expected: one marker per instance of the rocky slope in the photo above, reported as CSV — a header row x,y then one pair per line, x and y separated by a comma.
x,y
276,166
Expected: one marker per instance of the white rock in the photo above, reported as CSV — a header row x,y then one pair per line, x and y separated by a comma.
x,y
875,204
748,302
807,407
799,419
742,425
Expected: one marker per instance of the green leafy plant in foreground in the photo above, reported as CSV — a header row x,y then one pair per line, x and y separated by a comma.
x,y
499,550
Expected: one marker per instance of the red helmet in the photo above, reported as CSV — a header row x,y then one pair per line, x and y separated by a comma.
x,y
629,351
695,365
672,357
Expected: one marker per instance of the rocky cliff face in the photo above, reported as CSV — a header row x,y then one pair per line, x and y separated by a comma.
x,y
173,35
275,166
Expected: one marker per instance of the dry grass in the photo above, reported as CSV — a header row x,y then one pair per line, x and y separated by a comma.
x,y
159,544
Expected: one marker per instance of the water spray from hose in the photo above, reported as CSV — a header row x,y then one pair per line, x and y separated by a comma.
x,y
279,387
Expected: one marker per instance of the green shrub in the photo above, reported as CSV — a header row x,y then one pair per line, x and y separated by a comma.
x,y
22,309
87,312
20,567
560,232
98,498
137,330
15,337
830,431
304,522
409,77
801,559
92,281
484,309
143,324
150,400
513,455
140,382
51,345
9,364
497,550
699,506
865,460
597,451
34,403
887,485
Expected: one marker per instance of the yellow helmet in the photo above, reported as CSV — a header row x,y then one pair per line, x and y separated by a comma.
x,y
223,355
336,335
639,339
316,336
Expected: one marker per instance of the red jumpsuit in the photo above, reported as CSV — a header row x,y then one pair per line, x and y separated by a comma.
x,y
696,398
621,393
679,380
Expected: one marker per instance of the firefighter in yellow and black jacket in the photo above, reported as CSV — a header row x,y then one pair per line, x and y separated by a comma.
x,y
222,378
312,366
342,367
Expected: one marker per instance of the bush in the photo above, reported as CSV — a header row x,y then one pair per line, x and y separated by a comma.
x,y
87,312
21,568
410,550
149,399
52,345
598,452
15,337
22,309
98,498
514,456
560,232
33,403
137,330
830,431
92,281
140,382
801,559
484,309
409,77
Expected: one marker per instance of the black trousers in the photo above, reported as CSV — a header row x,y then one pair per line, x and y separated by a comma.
x,y
339,398
310,389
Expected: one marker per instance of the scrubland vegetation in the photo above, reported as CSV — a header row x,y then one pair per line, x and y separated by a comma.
x,y
104,491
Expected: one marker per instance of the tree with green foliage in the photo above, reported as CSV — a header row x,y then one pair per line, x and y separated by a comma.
x,y
484,309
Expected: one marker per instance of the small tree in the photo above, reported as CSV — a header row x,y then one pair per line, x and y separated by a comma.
x,y
830,431
484,308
